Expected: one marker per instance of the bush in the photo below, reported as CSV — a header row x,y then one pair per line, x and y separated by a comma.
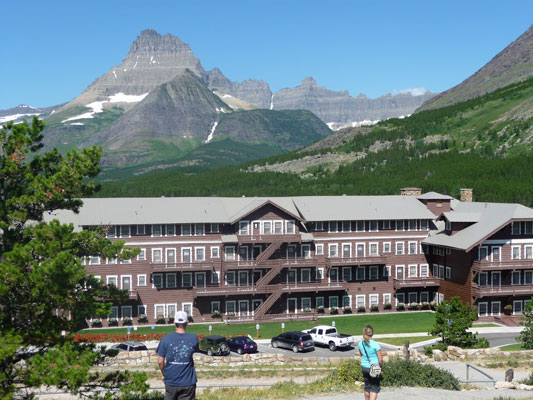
x,y
160,319
333,310
170,320
127,321
413,306
428,351
230,314
425,306
215,314
96,322
411,373
349,371
361,309
320,309
347,309
112,322
307,309
143,318
387,306
400,307
374,307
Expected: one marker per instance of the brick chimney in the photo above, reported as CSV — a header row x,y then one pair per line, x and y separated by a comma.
x,y
411,191
467,195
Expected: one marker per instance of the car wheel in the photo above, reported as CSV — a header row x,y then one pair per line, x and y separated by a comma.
x,y
332,346
275,344
295,349
209,352
239,350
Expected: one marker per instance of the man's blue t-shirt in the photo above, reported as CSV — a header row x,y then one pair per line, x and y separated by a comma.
x,y
372,349
177,349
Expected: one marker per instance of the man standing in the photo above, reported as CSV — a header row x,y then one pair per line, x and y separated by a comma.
x,y
175,352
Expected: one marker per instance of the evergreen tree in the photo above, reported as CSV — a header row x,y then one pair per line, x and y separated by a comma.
x,y
44,288
526,336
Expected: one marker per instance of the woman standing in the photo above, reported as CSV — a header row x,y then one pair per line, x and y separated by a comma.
x,y
370,354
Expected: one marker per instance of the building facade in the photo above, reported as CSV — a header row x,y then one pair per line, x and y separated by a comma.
x,y
245,259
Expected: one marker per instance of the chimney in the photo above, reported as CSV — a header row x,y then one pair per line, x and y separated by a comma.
x,y
466,195
411,191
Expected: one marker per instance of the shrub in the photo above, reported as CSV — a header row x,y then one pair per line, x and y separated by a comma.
x,y
96,322
361,309
387,306
230,314
143,318
400,307
333,310
127,321
413,306
374,307
112,322
307,309
215,314
428,351
160,319
411,373
424,306
508,309
320,309
349,371
347,309
170,320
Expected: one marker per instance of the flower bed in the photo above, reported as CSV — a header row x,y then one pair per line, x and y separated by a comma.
x,y
102,337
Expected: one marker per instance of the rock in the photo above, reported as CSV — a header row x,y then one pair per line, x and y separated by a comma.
x,y
504,385
438,355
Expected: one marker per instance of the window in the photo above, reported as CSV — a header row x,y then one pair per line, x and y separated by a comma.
x,y
413,271
171,310
230,278
333,250
199,253
387,298
346,250
386,224
413,297
424,297
373,247
412,224
141,280
441,271
333,226
483,279
319,249
171,229
142,255
267,227
157,230
373,272
229,252
515,278
400,272
347,274
171,256
141,309
346,226
386,270
319,273
400,225
517,307
413,246
306,251
111,232
373,226
360,273
111,260
360,226
346,301
215,306
319,226
306,303
278,227
214,277
528,277
125,261
360,249
528,227
424,226
319,301
186,279
373,299
214,228
186,230
400,298
333,301
306,275
528,252
187,307
114,312
424,270
495,307
360,300
483,309
94,260
157,281
140,229
496,253
215,252
157,255
515,228
230,306
290,227
386,247
186,255
333,274
125,231
199,229
244,227
171,280
483,253
515,252
399,248
448,273
112,280
159,310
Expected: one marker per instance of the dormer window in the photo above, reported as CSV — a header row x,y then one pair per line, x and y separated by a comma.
x,y
448,226
289,228
244,227
278,227
515,228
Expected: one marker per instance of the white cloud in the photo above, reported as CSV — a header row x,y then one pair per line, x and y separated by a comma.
x,y
413,91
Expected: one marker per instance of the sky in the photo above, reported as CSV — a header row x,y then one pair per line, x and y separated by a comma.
x,y
52,50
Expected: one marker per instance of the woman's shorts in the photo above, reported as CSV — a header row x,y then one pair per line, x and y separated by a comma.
x,y
372,385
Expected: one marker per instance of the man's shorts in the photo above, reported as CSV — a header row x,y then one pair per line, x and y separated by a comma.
x,y
180,392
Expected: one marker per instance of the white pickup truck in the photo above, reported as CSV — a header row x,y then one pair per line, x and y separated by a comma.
x,y
328,336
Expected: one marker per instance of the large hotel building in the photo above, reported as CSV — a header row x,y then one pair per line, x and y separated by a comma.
x,y
284,258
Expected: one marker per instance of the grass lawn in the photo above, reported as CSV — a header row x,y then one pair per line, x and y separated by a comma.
x,y
485,326
512,347
399,341
353,325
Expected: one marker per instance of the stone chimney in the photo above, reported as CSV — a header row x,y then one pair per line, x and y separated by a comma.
x,y
411,191
466,195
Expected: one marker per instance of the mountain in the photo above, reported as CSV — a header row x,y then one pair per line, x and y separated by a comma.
x,y
340,109
23,111
512,64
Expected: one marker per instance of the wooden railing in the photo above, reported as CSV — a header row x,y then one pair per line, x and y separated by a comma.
x,y
486,265
503,290
415,282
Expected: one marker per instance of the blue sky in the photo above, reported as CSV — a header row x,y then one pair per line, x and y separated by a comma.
x,y
52,50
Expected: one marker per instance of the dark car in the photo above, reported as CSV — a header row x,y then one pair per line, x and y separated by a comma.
x,y
297,341
129,346
242,344
214,345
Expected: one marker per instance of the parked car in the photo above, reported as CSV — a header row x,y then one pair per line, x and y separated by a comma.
x,y
129,346
214,345
329,336
296,341
242,344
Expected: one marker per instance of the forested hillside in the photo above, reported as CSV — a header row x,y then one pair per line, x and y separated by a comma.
x,y
484,143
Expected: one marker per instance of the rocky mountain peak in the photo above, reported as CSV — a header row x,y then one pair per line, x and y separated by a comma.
x,y
149,41
309,81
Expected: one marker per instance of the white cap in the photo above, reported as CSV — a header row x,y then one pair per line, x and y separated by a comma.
x,y
181,317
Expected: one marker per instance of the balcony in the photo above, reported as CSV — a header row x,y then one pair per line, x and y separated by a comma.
x,y
213,290
284,262
187,266
335,261
486,265
415,282
269,238
504,290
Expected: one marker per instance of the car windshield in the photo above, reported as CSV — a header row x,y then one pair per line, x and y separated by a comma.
x,y
332,330
306,337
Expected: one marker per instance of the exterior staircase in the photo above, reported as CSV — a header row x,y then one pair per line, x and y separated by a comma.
x,y
271,249
265,306
266,278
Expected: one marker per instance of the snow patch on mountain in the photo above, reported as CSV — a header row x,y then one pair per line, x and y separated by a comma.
x,y
210,137
15,117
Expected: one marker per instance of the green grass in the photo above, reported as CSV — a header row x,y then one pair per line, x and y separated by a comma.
x,y
512,347
352,325
485,326
399,341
